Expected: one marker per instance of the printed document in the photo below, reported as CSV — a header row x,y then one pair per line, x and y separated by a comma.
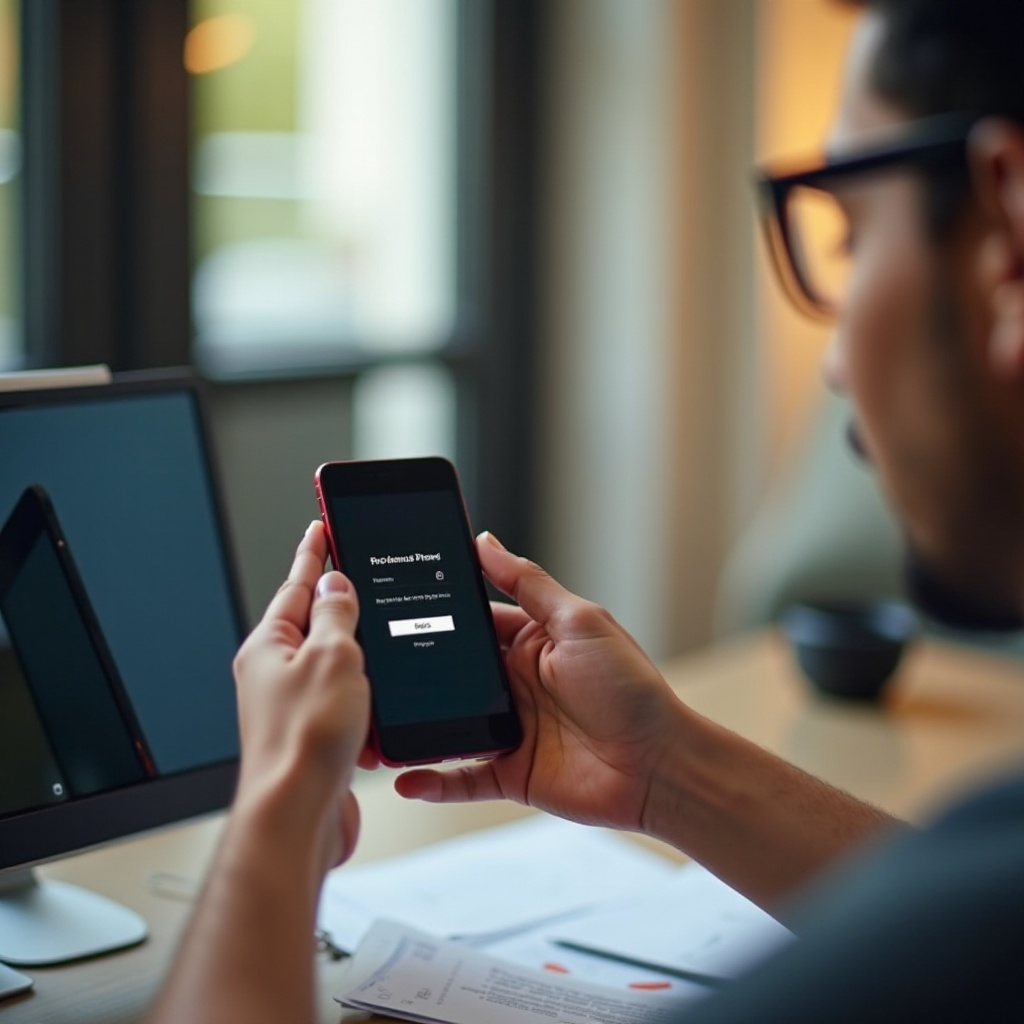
x,y
404,973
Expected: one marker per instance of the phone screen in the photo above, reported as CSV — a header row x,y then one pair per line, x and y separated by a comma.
x,y
62,656
399,532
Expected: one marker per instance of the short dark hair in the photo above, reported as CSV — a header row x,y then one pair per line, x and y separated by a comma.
x,y
944,56
940,56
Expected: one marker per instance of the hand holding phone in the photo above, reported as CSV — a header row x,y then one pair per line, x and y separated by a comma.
x,y
398,529
602,727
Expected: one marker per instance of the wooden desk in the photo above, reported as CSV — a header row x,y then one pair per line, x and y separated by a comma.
x,y
952,717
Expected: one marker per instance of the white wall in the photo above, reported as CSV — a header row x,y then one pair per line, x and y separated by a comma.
x,y
648,305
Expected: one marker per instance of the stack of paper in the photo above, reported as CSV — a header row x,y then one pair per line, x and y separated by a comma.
x,y
554,921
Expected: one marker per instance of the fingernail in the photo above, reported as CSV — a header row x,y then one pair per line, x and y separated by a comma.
x,y
492,540
311,526
332,583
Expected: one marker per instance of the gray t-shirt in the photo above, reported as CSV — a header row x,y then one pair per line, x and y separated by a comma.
x,y
928,927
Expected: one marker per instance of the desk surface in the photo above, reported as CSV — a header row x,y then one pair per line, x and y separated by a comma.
x,y
952,717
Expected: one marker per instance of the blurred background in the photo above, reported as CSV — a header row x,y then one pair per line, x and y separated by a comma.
x,y
520,233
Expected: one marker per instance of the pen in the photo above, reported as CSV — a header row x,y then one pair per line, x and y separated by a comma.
x,y
709,980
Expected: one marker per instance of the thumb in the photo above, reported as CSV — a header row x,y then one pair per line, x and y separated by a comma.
x,y
535,591
335,607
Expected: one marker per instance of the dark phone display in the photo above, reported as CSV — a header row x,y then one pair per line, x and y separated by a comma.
x,y
439,688
62,661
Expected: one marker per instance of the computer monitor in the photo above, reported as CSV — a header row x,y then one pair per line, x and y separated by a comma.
x,y
120,617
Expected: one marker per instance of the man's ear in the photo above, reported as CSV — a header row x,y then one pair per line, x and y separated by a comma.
x,y
996,155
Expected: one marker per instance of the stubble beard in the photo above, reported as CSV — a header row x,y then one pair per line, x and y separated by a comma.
x,y
961,601
967,600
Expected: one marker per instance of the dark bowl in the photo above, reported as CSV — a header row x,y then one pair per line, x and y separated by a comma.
x,y
849,650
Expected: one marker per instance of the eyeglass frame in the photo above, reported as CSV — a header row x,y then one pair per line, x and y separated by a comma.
x,y
928,139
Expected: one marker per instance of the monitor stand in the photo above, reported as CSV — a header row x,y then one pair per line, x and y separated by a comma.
x,y
49,922
11,982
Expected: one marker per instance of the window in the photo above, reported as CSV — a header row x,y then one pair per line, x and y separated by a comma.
x,y
324,200
324,174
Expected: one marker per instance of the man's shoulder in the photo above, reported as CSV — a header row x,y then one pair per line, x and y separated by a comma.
x,y
967,863
999,803
927,926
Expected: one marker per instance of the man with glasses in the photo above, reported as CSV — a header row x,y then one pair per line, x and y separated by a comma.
x,y
910,234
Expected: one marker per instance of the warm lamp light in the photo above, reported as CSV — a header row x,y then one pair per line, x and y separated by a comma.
x,y
218,43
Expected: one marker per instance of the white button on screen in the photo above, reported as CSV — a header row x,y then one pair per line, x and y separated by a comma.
x,y
409,627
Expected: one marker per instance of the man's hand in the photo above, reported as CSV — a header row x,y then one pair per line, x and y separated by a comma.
x,y
304,702
596,714
304,708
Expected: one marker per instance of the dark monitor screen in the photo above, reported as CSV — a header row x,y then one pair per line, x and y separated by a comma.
x,y
119,617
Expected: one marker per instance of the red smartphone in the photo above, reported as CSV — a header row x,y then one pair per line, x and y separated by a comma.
x,y
78,692
398,529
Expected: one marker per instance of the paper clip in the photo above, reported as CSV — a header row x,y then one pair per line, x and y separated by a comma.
x,y
325,944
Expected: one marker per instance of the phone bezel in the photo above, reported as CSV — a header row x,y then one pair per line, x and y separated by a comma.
x,y
438,741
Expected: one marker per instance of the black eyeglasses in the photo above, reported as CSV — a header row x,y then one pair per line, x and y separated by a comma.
x,y
806,226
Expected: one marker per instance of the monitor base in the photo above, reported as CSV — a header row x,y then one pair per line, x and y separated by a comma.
x,y
51,922
11,982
